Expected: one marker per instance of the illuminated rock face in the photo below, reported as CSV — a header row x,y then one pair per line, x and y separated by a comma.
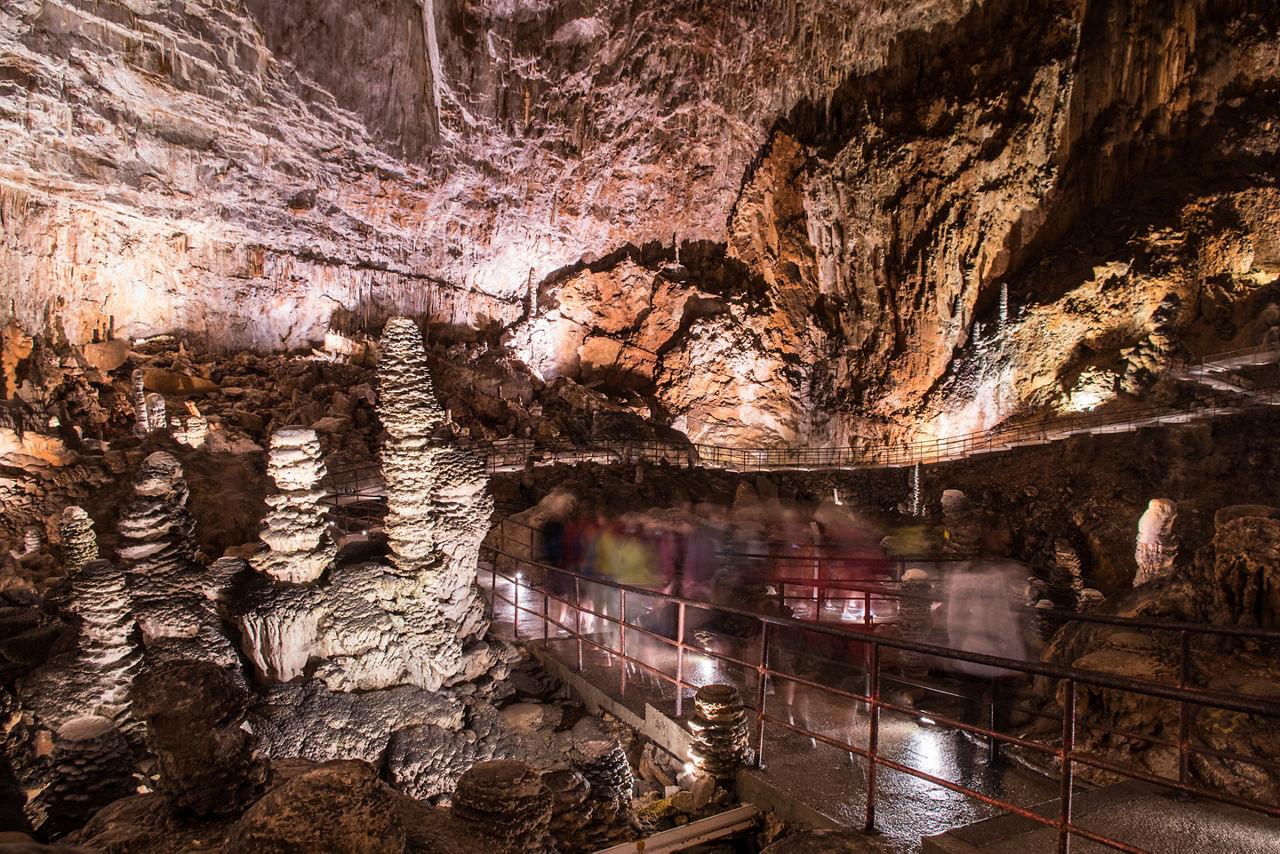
x,y
874,177
296,532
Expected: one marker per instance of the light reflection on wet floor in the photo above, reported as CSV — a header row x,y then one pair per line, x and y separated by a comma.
x,y
833,781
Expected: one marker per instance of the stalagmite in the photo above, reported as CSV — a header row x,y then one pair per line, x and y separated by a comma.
x,y
91,767
173,606
32,540
1065,572
1156,549
420,620
194,429
507,802
95,680
79,543
296,533
719,726
139,394
157,415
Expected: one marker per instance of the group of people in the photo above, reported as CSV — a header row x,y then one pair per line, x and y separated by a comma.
x,y
773,560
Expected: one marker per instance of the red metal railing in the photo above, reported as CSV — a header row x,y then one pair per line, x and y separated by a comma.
x,y
759,661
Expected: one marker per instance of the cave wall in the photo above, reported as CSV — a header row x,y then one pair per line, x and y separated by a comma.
x,y
848,185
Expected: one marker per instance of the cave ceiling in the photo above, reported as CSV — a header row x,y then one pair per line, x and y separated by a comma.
x,y
781,221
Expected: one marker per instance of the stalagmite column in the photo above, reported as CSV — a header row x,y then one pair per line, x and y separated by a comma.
x,y
295,528
157,415
91,767
410,414
195,429
438,507
95,679
1156,549
141,428
173,607
79,543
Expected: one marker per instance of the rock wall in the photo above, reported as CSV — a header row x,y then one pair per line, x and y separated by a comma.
x,y
862,180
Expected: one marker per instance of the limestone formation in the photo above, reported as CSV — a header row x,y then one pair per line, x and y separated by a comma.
x,y
604,765
1065,572
338,806
32,540
1156,548
963,530
419,620
307,720
157,415
427,760
507,802
193,430
193,711
95,679
296,532
15,348
719,727
570,808
79,543
142,425
173,607
91,767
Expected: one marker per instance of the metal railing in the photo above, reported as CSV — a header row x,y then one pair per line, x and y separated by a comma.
x,y
759,658
515,454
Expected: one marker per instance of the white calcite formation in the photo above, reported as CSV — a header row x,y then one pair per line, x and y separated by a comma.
x,y
139,394
296,533
173,605
32,540
79,543
1155,550
193,431
419,620
416,620
157,415
95,679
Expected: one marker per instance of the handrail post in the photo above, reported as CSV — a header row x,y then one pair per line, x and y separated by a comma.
x,y
1068,748
622,636
515,607
1184,714
546,614
577,620
762,670
873,738
679,658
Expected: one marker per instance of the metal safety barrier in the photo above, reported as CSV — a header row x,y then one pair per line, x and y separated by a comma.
x,y
759,657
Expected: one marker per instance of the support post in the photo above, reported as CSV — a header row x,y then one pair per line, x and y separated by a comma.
x,y
1068,772
762,672
679,658
873,739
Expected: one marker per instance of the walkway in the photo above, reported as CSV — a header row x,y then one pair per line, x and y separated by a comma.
x,y
826,744
360,484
